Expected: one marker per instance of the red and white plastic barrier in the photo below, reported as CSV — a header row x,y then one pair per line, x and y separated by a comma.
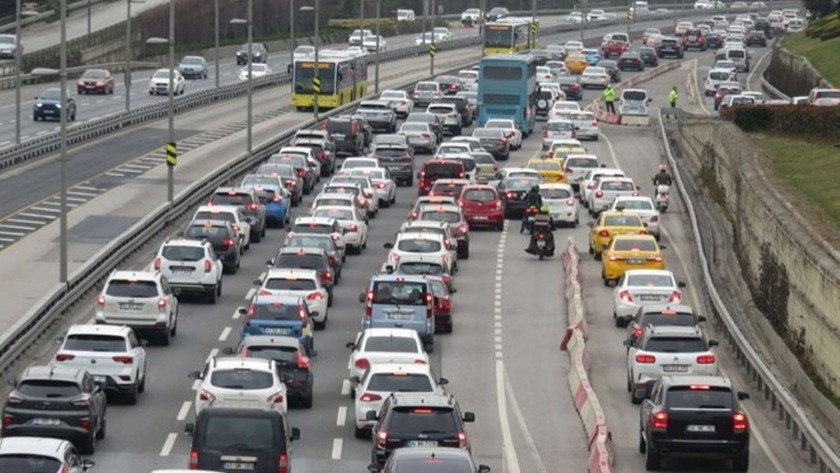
x,y
616,119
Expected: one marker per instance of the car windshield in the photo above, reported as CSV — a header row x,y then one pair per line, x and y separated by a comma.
x,y
650,280
617,186
95,342
622,221
544,165
414,420
50,94
283,284
421,268
338,214
581,163
718,75
559,126
132,288
95,74
419,245
635,204
399,292
521,183
676,345
274,311
182,253
28,463
634,245
241,378
440,216
224,432
46,389
555,193
700,397
191,60
210,232
480,195
400,382
391,344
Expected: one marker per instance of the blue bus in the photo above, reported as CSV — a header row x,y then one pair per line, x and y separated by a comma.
x,y
507,88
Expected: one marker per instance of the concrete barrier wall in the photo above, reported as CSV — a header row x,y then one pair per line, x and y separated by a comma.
x,y
792,74
792,272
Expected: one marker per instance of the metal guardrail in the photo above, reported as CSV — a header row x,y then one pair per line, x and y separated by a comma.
x,y
7,82
781,399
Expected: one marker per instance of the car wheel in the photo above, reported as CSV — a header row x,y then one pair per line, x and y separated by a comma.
x,y
141,388
464,251
362,433
211,296
306,401
262,232
88,445
174,330
257,237
642,443
652,459
500,227
165,338
219,288
100,434
634,398
741,462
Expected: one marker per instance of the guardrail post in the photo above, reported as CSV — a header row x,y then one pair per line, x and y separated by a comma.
x,y
787,419
795,432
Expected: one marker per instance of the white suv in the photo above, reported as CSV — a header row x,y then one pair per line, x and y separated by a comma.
x,y
303,283
141,300
385,345
111,354
427,244
190,266
240,379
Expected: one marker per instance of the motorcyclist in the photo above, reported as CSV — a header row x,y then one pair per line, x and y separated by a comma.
x,y
662,178
543,223
533,200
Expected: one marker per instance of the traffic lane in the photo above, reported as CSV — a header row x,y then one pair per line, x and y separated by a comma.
x,y
706,62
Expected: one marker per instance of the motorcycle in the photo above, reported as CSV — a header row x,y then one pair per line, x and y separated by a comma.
x,y
662,195
543,242
528,220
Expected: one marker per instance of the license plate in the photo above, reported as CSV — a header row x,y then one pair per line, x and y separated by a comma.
x,y
675,368
337,136
277,330
635,261
700,428
130,306
649,297
50,422
49,112
237,466
399,316
99,379
479,217
540,243
421,443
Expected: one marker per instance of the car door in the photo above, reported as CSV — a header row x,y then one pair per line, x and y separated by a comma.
x,y
138,351
97,397
211,255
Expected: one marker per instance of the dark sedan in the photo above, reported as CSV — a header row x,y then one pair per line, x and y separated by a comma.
x,y
631,60
511,190
96,81
494,141
612,67
570,86
649,56
756,38
48,105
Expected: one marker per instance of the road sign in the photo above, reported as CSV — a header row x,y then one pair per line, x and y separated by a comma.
x,y
432,50
534,28
316,84
171,154
629,14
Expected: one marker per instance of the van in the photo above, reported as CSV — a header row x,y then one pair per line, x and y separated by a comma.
x,y
439,169
241,436
740,57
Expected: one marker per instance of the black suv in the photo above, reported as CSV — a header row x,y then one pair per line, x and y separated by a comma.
x,y
290,257
756,37
259,53
398,160
347,135
56,401
240,436
249,202
694,414
655,315
222,236
418,420
670,47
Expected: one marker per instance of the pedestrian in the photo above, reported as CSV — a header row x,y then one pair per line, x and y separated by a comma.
x,y
609,98
673,96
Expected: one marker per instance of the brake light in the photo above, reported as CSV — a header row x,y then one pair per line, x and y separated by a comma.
x,y
604,233
15,399
425,135
86,424
251,206
706,359
157,263
193,460
362,363
206,396
64,357
302,362
381,439
657,259
123,359
430,312
283,463
228,242
276,398
207,266
511,195
740,422
659,420
545,133
462,439
595,123
369,303
654,218
645,359
326,276
625,296
315,296
370,397
444,304
643,232
380,185
278,198
162,303
551,153
100,301
463,228
599,193
637,333
675,298
353,228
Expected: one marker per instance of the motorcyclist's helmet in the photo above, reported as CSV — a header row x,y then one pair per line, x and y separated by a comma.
x,y
535,188
544,209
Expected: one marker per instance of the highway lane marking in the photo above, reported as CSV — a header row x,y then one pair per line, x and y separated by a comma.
x,y
18,234
508,450
336,448
92,189
8,240
168,444
77,199
224,334
341,418
17,227
755,69
114,174
523,427
23,220
702,98
185,409
84,194
26,214
345,387
250,293
236,314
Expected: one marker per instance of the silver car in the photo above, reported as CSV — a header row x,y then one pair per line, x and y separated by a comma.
x,y
586,126
41,454
557,129
594,76
420,135
193,67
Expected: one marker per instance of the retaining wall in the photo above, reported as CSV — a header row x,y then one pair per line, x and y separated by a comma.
x,y
792,74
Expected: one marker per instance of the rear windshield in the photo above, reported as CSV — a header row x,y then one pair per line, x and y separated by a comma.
x,y
304,261
622,221
545,166
650,280
633,95
228,199
719,75
488,133
522,183
679,319
634,245
394,152
338,214
403,293
554,193
433,465
581,163
311,242
420,419
700,397
419,245
20,462
391,344
736,53
281,170
233,431
403,382
333,201
426,86
274,311
241,378
312,228
421,268
636,204
47,389
443,169
480,195
136,289
210,232
106,343
207,215
559,126
339,127
353,190
282,284
453,149
449,188
676,345
281,354
183,253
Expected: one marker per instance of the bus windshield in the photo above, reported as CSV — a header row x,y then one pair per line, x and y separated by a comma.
x,y
305,71
497,36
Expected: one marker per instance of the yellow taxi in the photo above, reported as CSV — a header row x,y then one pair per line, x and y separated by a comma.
x,y
576,63
630,252
609,224
561,148
549,169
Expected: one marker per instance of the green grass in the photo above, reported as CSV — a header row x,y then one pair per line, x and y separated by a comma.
x,y
822,54
809,167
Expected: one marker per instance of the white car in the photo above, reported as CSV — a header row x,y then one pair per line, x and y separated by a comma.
x,y
231,214
575,17
594,76
405,15
449,116
350,163
513,133
561,202
191,267
364,186
586,126
240,380
667,349
159,83
381,380
384,186
357,35
469,78
795,25
257,71
375,346
638,287
562,107
507,172
643,206
400,101
112,354
576,167
573,46
544,74
428,244
557,129
682,27
607,189
355,229
141,300
595,14
332,198
452,149
370,43
715,77
442,33
303,283
702,5
471,15
588,182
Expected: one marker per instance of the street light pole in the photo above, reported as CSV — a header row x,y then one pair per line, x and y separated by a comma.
x,y
317,66
216,6
250,71
432,31
170,169
62,158
17,73
88,19
127,75
292,41
376,74
533,23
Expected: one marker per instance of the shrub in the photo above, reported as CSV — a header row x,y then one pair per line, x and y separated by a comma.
x,y
752,118
803,120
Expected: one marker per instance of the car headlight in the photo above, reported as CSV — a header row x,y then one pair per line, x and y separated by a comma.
x,y
38,105
58,105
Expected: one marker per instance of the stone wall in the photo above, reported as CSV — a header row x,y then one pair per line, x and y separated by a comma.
x,y
792,74
792,275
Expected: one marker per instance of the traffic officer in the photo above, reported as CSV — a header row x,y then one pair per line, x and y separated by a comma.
x,y
673,96
609,98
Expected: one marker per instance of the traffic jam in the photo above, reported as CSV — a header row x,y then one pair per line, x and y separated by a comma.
x,y
503,146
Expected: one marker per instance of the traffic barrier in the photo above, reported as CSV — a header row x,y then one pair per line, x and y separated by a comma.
x,y
600,459
617,119
635,120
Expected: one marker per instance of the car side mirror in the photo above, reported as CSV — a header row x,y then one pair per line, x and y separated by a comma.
x,y
623,321
355,380
242,311
388,245
371,415
228,351
269,262
743,395
87,464
350,345
256,282
314,314
469,417
627,343
713,343
453,290
295,434
195,375
701,318
443,381
189,429
662,247
144,342
649,100
361,299
59,340
590,224
483,469
681,284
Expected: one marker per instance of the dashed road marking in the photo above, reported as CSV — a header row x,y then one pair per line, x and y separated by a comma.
x,y
341,417
168,444
17,234
250,293
236,314
225,333
23,220
185,409
345,387
336,448
17,227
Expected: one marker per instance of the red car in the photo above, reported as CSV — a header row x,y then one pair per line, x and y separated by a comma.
x,y
614,48
443,303
436,169
482,206
448,187
96,81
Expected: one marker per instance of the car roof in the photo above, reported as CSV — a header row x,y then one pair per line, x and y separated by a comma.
x,y
410,368
391,332
33,446
223,362
138,275
417,235
688,380
291,272
210,222
555,185
649,272
53,372
185,242
673,330
634,237
100,329
301,250
423,399
270,340
316,220
418,258
425,224
398,278
283,299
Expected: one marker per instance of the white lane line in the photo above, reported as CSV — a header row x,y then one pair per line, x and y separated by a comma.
x,y
196,384
250,293
168,444
27,214
83,194
341,418
76,199
44,209
345,387
16,227
18,234
508,450
224,334
114,174
336,448
236,314
185,409
23,220
5,143
8,240
523,428
133,171
88,188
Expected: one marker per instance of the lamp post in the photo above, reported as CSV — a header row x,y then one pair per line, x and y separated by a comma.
x,y
432,31
582,19
216,6
250,23
62,158
128,52
18,47
170,145
533,23
292,41
316,81
376,60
